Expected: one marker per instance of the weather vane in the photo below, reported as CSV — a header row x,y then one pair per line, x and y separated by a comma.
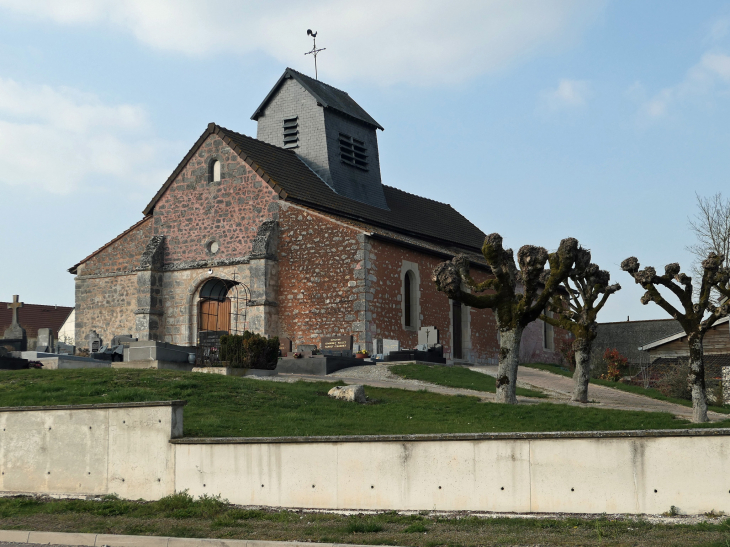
x,y
314,50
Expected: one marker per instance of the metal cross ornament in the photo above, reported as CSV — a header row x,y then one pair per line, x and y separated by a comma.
x,y
314,50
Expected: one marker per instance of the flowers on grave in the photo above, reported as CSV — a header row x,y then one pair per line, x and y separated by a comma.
x,y
363,352
297,355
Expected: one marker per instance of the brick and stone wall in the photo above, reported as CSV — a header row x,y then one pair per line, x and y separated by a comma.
x,y
532,348
389,262
193,212
319,289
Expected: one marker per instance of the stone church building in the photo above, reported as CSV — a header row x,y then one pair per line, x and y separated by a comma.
x,y
291,234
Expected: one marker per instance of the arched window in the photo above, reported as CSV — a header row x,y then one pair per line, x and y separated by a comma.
x,y
408,300
214,171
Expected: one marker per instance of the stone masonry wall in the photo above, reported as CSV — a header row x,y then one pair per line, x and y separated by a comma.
x,y
180,300
123,255
194,212
105,304
318,290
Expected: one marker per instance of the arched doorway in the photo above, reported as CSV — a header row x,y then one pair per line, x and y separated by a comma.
x,y
214,306
221,309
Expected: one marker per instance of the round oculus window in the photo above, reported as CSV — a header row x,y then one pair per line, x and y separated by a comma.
x,y
213,247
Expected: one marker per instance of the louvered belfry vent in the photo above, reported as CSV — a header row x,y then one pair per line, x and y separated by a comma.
x,y
353,152
291,132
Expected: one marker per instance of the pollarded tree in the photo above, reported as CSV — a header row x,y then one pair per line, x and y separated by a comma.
x,y
586,291
518,297
693,320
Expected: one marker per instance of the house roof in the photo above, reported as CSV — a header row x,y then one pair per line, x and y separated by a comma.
x,y
677,336
294,181
326,95
33,317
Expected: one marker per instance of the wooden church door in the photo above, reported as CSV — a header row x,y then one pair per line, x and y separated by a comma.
x,y
215,315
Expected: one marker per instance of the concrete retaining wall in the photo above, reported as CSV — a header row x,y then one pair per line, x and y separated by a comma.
x,y
134,450
119,449
640,472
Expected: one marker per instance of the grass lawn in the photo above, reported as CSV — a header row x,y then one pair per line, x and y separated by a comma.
x,y
455,377
224,406
180,516
650,392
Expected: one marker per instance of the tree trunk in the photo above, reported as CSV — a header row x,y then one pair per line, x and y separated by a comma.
x,y
509,360
697,379
582,374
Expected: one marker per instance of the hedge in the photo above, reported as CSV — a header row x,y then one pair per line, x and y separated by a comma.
x,y
249,350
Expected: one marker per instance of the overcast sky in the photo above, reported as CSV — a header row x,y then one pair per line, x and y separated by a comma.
x,y
536,119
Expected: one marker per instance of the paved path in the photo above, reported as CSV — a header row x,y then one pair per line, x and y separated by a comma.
x,y
560,389
600,396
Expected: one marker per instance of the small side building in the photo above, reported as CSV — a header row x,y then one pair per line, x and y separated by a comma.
x,y
629,336
33,317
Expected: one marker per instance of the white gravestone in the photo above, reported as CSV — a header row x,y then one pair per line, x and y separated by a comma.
x,y
390,345
45,341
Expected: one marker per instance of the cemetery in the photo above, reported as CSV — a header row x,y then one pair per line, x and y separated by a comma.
x,y
213,339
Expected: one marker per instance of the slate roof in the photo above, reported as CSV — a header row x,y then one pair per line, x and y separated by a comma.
x,y
294,181
326,95
33,317
678,336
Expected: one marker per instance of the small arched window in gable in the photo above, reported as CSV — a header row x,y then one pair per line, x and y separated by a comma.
x,y
214,171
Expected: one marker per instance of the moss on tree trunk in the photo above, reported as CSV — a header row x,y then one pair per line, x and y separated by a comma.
x,y
509,360
582,374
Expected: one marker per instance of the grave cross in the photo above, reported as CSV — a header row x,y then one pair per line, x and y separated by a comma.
x,y
15,306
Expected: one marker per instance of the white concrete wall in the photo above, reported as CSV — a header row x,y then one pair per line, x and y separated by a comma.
x,y
133,450
577,475
119,449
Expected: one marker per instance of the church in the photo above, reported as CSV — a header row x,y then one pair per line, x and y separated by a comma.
x,y
291,234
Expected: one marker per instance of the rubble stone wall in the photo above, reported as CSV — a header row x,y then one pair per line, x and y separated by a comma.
x,y
193,212
123,255
105,304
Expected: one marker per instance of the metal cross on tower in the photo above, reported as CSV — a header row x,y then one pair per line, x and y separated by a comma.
x,y
314,50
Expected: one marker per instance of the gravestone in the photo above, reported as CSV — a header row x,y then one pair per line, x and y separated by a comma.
x,y
65,349
428,336
284,345
389,346
123,339
94,341
15,335
46,341
336,345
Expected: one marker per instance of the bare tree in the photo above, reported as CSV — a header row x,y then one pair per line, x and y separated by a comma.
x,y
693,319
711,225
586,291
518,297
